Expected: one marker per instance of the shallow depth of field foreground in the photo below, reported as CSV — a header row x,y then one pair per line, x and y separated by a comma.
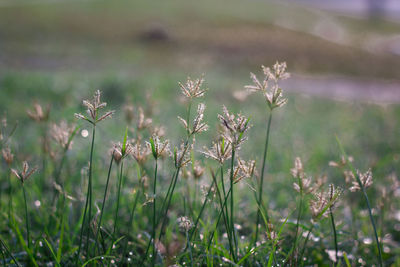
x,y
198,134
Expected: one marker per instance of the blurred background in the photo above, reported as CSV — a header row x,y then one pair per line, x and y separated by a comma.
x,y
344,57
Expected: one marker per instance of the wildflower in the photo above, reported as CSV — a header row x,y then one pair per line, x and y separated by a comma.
x,y
139,152
198,170
120,151
365,179
25,173
62,134
220,151
184,224
143,122
38,114
93,108
272,93
198,124
157,147
304,183
7,156
234,128
192,88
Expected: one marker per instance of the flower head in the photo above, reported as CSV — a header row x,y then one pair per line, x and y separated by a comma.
x,y
197,170
198,124
304,183
62,134
322,201
184,223
182,155
219,151
121,150
243,169
93,108
140,152
192,88
157,147
7,155
365,179
25,173
38,114
269,87
143,122
234,127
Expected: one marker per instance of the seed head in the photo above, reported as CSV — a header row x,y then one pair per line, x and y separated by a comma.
x,y
365,179
25,173
38,114
182,155
234,128
243,169
129,111
62,134
143,122
198,170
157,147
7,156
198,124
303,183
139,152
192,88
322,201
93,108
269,87
184,224
120,151
219,151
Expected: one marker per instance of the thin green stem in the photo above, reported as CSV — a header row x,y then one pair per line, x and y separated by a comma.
x,y
374,226
118,198
104,201
26,218
10,199
190,248
261,185
90,190
366,200
305,244
232,219
88,199
300,208
9,252
334,233
154,213
225,217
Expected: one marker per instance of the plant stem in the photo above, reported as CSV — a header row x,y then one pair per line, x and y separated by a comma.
x,y
225,217
26,218
118,198
88,199
10,199
232,207
262,176
90,190
154,213
334,233
190,248
374,226
104,201
298,218
305,244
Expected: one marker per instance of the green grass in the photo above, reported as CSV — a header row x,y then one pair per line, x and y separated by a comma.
x,y
304,127
59,53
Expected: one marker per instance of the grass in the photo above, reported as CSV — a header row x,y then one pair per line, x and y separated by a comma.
x,y
57,54
293,134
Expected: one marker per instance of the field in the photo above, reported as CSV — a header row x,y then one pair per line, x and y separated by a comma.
x,y
101,198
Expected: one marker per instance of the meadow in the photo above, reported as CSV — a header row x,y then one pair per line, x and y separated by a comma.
x,y
223,168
